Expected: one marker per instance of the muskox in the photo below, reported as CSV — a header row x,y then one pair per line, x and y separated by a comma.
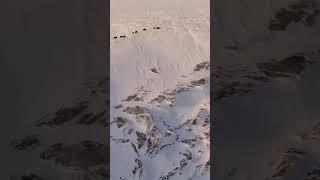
x,y
144,29
115,37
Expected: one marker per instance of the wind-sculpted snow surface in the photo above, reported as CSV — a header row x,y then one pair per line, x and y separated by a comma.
x,y
160,96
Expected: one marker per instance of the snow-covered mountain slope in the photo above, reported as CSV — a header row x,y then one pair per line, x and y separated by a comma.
x,y
159,90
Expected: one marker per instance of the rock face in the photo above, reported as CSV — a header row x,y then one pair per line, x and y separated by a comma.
x,y
304,12
151,133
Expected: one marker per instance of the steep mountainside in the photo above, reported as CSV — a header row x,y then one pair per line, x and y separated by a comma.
x,y
160,90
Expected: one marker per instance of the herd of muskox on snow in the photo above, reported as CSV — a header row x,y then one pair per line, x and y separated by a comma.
x,y
134,32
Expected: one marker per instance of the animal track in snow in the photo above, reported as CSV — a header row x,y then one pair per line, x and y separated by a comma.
x,y
136,32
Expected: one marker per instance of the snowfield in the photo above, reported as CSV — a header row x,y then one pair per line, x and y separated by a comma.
x,y
160,90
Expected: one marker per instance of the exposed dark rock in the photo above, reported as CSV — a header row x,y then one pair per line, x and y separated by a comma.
x,y
134,148
303,12
288,67
159,99
131,97
120,121
154,70
121,140
137,167
163,146
188,141
29,142
188,155
198,82
64,115
141,138
183,163
136,110
206,166
118,106
240,81
203,65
